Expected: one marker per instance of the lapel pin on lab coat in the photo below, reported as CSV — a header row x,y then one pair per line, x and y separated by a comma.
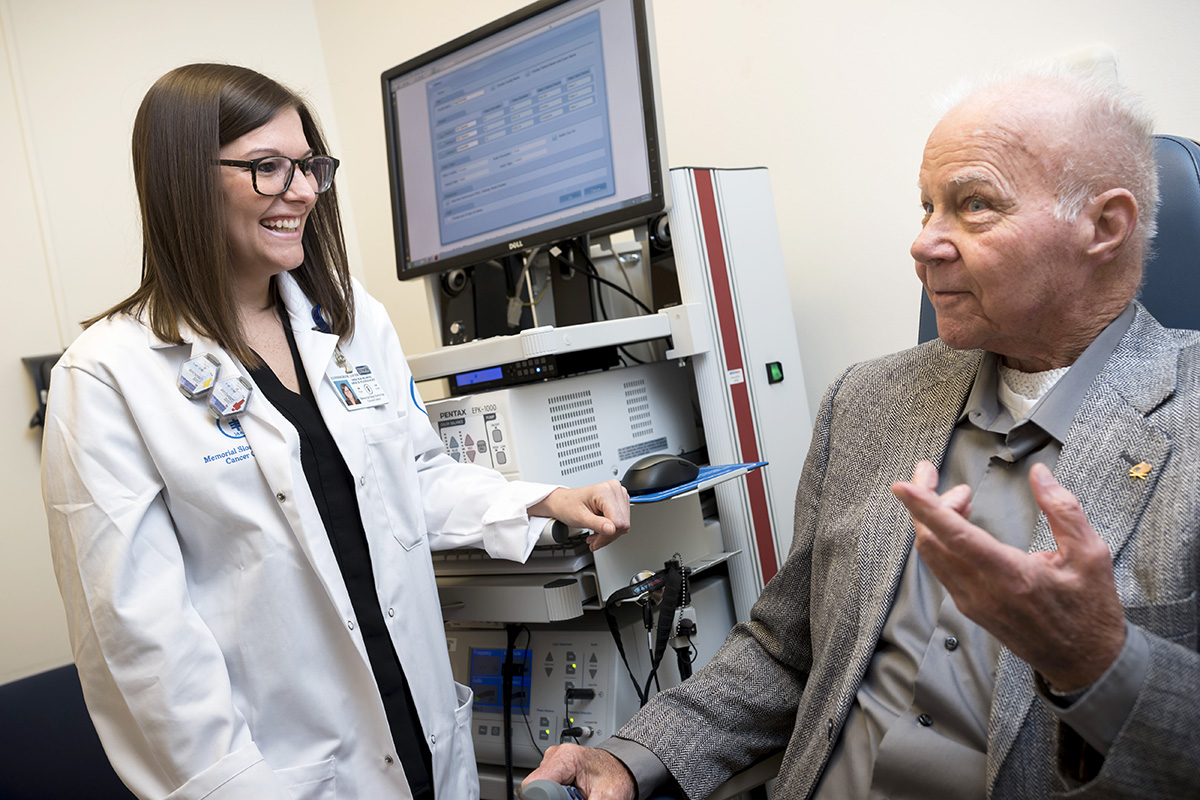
x,y
229,398
198,374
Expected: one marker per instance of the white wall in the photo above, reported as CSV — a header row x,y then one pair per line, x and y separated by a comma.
x,y
73,75
831,97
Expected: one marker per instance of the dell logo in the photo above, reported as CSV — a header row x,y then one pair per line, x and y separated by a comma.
x,y
517,245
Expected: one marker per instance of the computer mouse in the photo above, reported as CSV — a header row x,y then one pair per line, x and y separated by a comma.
x,y
657,472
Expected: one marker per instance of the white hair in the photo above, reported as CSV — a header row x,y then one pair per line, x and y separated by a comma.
x,y
1111,137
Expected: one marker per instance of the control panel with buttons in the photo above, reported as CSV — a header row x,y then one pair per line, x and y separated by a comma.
x,y
549,662
573,431
573,678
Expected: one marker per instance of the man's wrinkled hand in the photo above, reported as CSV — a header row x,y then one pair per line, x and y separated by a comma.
x,y
1057,610
597,773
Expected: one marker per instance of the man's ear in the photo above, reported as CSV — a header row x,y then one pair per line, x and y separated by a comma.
x,y
1112,217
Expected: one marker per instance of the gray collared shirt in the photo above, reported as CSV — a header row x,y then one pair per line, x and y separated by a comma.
x,y
918,727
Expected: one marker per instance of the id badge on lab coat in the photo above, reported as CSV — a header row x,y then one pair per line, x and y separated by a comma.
x,y
357,388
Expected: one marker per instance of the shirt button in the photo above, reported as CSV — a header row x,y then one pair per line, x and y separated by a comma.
x,y
391,612
925,720
433,738
350,624
951,643
362,481
388,760
281,497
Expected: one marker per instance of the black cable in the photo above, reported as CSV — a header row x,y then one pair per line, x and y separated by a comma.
x,y
682,654
672,594
630,355
567,726
525,705
684,658
593,273
507,693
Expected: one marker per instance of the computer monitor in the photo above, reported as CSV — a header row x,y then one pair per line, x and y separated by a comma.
x,y
540,127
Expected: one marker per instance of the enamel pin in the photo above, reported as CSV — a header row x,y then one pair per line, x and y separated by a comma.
x,y
1140,470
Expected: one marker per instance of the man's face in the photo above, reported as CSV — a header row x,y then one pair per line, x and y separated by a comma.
x,y
1002,273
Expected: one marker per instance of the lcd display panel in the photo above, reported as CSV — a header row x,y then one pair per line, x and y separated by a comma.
x,y
540,127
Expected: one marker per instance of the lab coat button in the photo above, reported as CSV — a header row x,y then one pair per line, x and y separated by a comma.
x,y
362,481
281,497
391,612
925,720
388,760
350,624
433,738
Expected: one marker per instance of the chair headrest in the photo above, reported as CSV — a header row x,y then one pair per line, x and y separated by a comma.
x,y
1171,286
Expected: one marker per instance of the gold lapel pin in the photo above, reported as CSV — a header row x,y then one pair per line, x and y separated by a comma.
x,y
1140,470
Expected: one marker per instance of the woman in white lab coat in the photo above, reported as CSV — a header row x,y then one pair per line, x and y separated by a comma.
x,y
250,595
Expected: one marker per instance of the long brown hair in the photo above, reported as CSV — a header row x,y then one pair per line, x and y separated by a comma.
x,y
184,120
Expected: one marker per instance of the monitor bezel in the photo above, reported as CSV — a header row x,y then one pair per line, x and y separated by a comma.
x,y
617,219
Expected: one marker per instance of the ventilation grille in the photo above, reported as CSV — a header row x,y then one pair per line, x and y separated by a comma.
x,y
637,407
576,435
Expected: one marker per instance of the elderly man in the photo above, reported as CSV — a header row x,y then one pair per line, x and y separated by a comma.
x,y
1010,653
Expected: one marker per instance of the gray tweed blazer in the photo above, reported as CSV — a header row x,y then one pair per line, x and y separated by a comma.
x,y
788,677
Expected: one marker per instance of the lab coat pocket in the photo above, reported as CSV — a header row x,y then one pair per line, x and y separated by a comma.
x,y
311,781
462,710
395,488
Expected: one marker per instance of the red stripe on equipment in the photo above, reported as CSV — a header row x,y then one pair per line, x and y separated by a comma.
x,y
739,393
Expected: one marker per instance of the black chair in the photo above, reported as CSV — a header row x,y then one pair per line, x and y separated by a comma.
x,y
1171,286
48,747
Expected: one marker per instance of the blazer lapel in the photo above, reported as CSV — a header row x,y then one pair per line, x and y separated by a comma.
x,y
922,429
1109,436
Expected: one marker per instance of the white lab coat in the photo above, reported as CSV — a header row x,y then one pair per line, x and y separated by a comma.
x,y
216,643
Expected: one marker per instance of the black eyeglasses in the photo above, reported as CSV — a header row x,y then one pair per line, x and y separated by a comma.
x,y
272,175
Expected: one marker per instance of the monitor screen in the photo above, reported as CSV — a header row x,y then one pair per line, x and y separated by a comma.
x,y
540,127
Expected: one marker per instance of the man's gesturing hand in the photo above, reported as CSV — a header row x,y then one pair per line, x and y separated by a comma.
x,y
1057,610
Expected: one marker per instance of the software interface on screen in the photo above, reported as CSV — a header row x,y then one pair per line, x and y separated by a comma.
x,y
526,130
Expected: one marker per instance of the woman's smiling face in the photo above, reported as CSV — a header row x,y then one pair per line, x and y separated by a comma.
x,y
265,232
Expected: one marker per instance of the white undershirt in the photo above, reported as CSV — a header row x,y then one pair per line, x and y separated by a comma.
x,y
1020,391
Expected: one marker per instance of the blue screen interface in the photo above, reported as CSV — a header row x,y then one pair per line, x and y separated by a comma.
x,y
479,376
523,132
487,682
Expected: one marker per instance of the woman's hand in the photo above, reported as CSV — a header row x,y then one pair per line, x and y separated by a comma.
x,y
601,507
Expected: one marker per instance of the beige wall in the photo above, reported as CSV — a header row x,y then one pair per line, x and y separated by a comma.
x,y
832,97
72,76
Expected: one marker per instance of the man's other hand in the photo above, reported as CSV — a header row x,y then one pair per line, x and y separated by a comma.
x,y
597,773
